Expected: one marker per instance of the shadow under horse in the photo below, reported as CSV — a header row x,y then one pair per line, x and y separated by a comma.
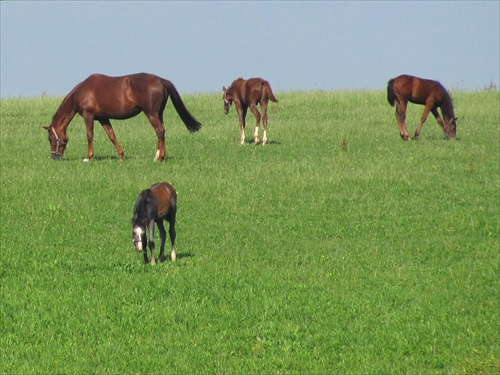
x,y
431,94
153,206
102,98
248,93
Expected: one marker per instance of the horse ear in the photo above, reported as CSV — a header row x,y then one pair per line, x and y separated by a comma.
x,y
224,88
46,128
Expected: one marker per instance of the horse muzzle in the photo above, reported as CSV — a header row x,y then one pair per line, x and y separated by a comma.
x,y
138,247
56,156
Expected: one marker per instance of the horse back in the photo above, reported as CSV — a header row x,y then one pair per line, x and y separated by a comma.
x,y
418,90
117,97
166,200
254,90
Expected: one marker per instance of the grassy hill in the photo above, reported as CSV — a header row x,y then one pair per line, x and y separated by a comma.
x,y
336,248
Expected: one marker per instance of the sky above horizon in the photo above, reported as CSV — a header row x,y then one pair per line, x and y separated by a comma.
x,y
47,47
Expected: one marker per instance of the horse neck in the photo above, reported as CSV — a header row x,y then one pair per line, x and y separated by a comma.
x,y
140,214
64,113
143,209
447,107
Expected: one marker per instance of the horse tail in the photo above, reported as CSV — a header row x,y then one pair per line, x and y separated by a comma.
x,y
191,123
269,91
391,98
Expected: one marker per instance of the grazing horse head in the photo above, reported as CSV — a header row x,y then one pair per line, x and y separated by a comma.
x,y
450,128
228,99
57,143
139,236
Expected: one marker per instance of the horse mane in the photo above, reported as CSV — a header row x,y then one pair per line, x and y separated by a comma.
x,y
65,109
234,84
237,80
447,106
145,207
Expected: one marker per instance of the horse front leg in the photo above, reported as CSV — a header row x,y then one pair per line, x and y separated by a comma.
x,y
89,125
242,113
163,238
401,119
440,121
427,109
106,125
151,242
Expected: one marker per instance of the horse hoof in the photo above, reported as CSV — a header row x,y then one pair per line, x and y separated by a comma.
x,y
86,160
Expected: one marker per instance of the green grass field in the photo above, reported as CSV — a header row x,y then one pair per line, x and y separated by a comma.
x,y
337,248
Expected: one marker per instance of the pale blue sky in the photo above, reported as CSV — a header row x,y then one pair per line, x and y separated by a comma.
x,y
47,47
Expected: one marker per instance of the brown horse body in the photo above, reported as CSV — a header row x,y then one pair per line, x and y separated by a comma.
x,y
154,205
102,98
431,94
248,94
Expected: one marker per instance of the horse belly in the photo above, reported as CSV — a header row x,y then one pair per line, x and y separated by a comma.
x,y
112,98
122,115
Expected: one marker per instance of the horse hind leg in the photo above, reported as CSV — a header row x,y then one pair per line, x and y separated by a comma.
x,y
263,106
163,237
157,125
401,119
172,234
257,115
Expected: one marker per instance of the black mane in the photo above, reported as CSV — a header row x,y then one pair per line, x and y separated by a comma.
x,y
145,208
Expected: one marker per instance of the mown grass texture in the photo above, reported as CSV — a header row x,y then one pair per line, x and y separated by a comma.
x,y
336,248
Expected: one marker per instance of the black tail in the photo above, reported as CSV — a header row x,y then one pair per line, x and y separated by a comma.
x,y
391,98
191,123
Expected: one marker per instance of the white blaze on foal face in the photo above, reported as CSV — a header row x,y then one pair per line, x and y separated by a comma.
x,y
137,233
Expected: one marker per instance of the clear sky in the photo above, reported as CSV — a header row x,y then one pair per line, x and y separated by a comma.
x,y
47,47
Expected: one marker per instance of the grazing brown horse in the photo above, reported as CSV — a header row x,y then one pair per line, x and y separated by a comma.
x,y
249,93
102,98
432,94
154,205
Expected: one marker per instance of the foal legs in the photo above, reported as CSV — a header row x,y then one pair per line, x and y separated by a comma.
x,y
439,119
163,237
151,243
428,107
242,114
401,118
263,107
255,111
106,125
